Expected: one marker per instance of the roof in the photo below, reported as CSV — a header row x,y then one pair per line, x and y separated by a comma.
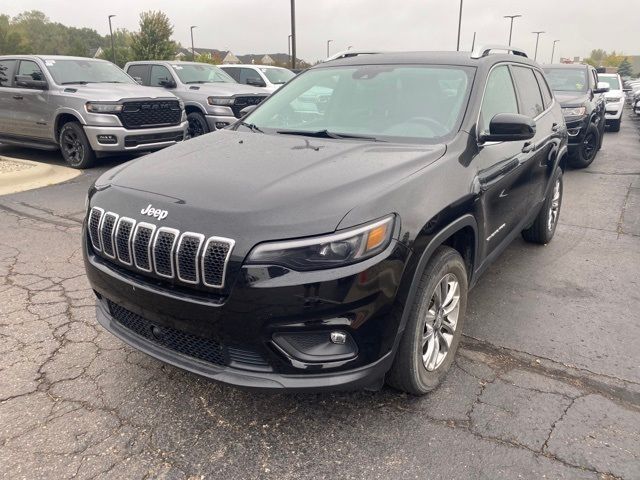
x,y
53,57
170,62
253,65
568,66
444,58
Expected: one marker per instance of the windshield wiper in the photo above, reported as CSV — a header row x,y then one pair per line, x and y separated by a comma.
x,y
327,134
76,82
251,126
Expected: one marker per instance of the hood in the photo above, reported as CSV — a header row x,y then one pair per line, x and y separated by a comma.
x,y
113,92
614,94
572,99
226,89
254,187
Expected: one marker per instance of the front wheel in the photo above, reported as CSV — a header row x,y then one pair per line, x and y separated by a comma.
x,y
588,149
615,125
544,226
75,146
434,326
197,124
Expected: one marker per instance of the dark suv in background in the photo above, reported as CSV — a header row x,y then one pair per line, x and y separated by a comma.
x,y
583,103
333,247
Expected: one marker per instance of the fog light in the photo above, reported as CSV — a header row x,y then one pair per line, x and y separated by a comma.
x,y
573,131
107,139
222,124
339,338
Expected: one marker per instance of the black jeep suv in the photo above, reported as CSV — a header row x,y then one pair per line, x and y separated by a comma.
x,y
577,89
329,240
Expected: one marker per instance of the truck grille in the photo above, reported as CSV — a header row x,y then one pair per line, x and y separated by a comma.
x,y
150,113
244,102
166,252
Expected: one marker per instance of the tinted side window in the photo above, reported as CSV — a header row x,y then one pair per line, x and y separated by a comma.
x,y
544,88
6,69
247,73
30,69
159,74
529,92
499,96
139,71
234,72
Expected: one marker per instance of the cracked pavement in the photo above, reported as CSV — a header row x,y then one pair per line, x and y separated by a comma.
x,y
546,385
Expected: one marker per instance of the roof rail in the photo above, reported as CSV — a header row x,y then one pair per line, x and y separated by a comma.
x,y
484,50
349,53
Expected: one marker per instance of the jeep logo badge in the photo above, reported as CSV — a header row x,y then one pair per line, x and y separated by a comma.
x,y
154,212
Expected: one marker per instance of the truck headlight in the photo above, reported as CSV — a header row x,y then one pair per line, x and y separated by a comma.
x,y
225,101
574,111
97,107
327,251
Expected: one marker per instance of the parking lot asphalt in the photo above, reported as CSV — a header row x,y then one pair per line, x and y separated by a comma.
x,y
546,385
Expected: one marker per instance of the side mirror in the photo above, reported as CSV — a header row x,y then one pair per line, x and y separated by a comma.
x,y
138,80
603,87
509,127
168,83
247,110
256,82
26,81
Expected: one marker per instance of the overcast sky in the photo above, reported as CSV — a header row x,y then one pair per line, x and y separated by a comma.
x,y
259,26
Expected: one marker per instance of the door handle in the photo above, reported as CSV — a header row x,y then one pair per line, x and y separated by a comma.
x,y
528,147
18,97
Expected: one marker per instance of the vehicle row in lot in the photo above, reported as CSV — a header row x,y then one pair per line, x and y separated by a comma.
x,y
632,89
332,248
89,108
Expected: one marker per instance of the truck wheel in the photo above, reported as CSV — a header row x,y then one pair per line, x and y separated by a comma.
x,y
75,147
434,327
546,222
615,125
197,124
587,150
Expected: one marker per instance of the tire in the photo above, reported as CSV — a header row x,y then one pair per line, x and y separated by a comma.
x,y
615,125
418,367
197,124
544,226
75,146
588,148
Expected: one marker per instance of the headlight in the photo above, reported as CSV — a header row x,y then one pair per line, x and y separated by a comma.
x,y
328,251
94,107
181,103
221,101
613,99
574,111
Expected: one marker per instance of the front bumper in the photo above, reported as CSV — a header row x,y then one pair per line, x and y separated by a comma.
x,y
576,129
614,111
217,122
144,139
259,306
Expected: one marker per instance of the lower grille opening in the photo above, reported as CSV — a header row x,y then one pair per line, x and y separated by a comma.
x,y
205,349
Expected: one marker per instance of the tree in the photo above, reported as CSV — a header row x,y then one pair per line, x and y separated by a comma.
x,y
153,41
10,40
214,59
122,40
624,69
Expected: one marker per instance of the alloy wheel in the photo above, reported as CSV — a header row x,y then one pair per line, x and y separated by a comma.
x,y
589,146
73,147
554,209
440,322
196,128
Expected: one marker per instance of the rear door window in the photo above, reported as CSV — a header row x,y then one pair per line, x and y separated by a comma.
x,y
531,102
234,72
139,72
6,70
249,73
544,89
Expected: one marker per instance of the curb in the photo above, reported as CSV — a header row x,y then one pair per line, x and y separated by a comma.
x,y
36,176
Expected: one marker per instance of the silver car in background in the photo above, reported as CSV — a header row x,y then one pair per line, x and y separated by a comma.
x,y
85,107
212,98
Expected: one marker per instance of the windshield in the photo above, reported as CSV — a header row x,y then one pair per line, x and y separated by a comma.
x,y
66,72
612,81
567,79
278,76
381,102
201,73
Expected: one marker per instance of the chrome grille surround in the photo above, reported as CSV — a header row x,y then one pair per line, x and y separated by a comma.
x,y
186,257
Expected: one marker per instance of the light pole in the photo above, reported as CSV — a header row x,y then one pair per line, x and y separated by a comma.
x,y
553,50
113,50
511,26
473,43
289,45
328,43
535,55
193,50
293,34
459,26
349,47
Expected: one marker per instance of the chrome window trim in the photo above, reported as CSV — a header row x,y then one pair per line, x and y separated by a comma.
x,y
231,244
201,238
176,235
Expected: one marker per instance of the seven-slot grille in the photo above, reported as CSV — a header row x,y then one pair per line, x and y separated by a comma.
x,y
150,113
188,257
